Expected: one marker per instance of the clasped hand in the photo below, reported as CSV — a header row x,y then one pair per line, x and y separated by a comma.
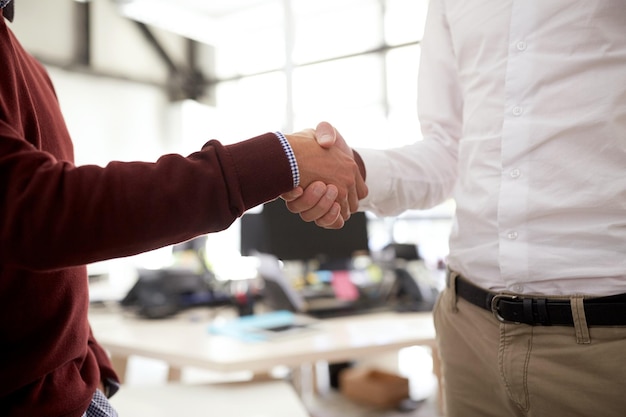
x,y
331,184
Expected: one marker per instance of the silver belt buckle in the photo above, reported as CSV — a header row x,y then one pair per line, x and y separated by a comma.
x,y
494,307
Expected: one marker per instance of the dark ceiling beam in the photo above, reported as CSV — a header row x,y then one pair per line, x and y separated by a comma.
x,y
81,59
196,80
156,45
82,33
184,82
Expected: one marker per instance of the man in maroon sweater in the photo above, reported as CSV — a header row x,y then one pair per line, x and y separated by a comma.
x,y
55,217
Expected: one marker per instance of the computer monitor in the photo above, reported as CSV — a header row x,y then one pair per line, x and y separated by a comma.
x,y
277,231
253,234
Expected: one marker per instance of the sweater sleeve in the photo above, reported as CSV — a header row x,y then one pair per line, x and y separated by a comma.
x,y
56,214
107,373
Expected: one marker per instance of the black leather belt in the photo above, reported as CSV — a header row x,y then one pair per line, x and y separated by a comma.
x,y
533,310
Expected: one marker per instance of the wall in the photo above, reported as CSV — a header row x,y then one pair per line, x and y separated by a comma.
x,y
117,106
112,119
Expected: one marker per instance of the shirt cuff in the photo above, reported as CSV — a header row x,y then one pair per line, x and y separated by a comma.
x,y
295,172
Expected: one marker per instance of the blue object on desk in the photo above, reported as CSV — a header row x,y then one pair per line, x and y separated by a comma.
x,y
256,327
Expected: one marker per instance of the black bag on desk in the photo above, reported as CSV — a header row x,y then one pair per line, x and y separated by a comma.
x,y
164,292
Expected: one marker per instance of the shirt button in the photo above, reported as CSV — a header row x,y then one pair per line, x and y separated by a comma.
x,y
517,111
518,288
515,173
521,46
512,235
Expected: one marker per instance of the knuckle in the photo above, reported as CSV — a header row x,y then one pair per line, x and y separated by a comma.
x,y
307,217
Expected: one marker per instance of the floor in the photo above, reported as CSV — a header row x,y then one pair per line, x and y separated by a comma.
x,y
337,406
413,363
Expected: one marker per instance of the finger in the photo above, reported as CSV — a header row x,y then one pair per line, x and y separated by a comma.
x,y
309,197
361,187
325,134
353,199
345,208
293,194
332,219
323,206
338,139
338,224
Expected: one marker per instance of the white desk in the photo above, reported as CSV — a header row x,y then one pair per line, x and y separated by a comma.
x,y
182,342
246,399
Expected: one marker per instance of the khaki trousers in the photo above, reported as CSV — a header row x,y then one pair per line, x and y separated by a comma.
x,y
496,369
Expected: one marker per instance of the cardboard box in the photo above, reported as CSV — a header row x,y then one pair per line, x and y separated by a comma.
x,y
373,387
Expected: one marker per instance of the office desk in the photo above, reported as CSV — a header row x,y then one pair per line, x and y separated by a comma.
x,y
183,342
245,399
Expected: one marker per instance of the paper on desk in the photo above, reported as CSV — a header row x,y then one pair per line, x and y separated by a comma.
x,y
261,327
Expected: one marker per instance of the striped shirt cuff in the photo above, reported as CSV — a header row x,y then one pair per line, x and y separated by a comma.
x,y
295,173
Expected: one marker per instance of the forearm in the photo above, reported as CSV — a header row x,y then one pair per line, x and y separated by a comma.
x,y
57,215
417,176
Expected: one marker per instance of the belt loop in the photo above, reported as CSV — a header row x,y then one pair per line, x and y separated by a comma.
x,y
580,320
542,312
452,276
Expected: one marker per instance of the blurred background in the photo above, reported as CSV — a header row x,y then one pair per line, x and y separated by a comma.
x,y
139,78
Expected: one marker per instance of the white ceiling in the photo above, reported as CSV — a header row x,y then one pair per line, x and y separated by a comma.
x,y
203,20
213,21
218,8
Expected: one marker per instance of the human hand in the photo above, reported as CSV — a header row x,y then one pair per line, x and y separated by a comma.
x,y
314,203
321,198
327,136
330,165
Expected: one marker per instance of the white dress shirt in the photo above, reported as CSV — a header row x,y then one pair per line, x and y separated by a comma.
x,y
523,111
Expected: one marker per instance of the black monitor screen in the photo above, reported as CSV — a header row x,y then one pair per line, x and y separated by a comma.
x,y
283,234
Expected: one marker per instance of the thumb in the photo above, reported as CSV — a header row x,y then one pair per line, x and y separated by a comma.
x,y
325,134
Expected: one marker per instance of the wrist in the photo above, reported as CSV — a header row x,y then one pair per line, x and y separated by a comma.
x,y
359,163
291,157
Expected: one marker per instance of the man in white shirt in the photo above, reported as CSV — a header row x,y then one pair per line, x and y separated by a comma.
x,y
523,110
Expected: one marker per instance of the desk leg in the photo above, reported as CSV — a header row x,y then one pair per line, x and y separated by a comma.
x,y
302,378
321,378
120,363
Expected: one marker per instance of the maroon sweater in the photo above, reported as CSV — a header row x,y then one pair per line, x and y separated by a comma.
x,y
56,217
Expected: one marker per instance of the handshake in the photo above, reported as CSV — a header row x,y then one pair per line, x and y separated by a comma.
x,y
331,183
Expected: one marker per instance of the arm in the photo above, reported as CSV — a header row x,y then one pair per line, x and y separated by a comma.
x,y
56,214
420,175
109,380
423,174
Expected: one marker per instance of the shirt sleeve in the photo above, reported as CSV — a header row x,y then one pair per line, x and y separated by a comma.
x,y
422,175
